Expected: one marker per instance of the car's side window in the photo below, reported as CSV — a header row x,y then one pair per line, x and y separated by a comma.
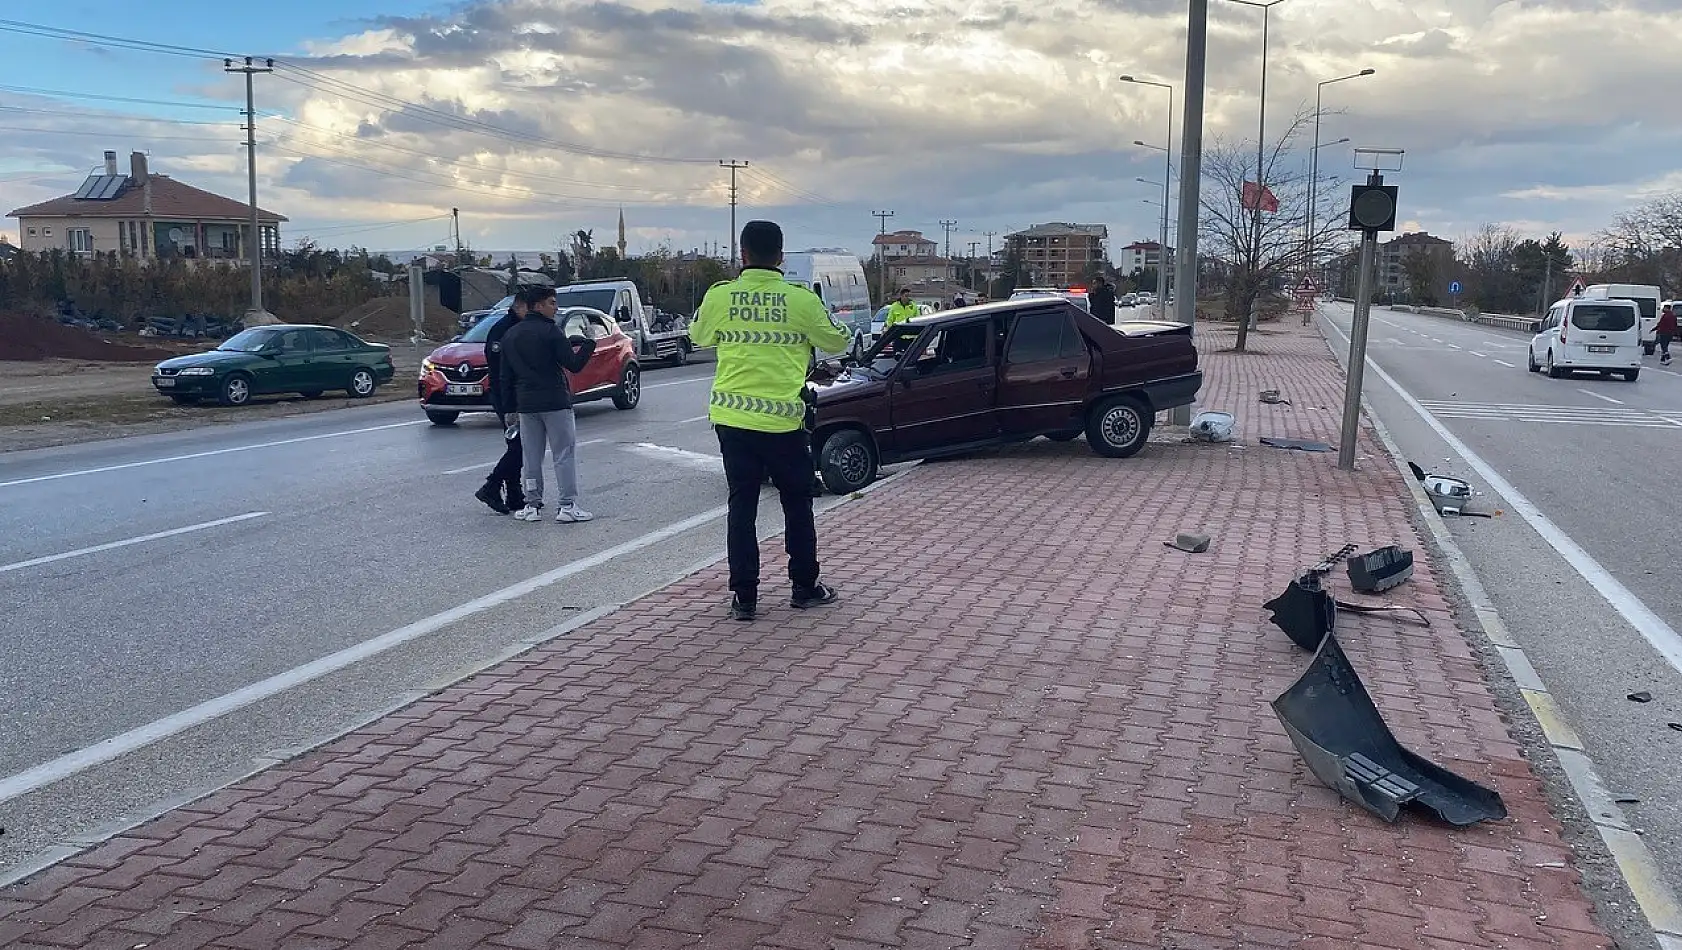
x,y
293,342
954,349
328,341
1074,345
1038,336
599,329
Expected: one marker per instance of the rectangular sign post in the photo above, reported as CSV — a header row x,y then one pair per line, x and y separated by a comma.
x,y
1372,208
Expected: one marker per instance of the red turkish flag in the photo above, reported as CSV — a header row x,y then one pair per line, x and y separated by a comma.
x,y
1262,195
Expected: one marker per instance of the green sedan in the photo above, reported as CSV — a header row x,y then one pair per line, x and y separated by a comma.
x,y
289,358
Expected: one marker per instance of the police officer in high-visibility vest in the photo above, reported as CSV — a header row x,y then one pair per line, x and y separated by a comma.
x,y
766,330
901,310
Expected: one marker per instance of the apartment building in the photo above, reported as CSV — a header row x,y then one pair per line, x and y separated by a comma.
x,y
1059,254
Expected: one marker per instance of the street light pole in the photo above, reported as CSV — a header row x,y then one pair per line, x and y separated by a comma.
x,y
1261,145
1191,174
1314,167
1167,175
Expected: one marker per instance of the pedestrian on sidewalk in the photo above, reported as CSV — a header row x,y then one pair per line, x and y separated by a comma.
x,y
501,491
536,358
766,330
1666,332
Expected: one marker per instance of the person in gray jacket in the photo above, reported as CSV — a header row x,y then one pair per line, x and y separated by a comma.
x,y
536,357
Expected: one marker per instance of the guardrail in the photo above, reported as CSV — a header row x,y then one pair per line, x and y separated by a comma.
x,y
1498,320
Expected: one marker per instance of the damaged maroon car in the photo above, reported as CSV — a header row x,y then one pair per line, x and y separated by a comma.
x,y
977,377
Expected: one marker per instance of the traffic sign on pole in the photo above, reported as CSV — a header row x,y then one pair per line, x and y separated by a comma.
x,y
1454,287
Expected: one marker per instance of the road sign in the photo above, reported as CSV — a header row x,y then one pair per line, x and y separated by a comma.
x,y
1454,286
1308,285
1577,287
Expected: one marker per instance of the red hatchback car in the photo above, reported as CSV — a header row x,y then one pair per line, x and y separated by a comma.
x,y
455,378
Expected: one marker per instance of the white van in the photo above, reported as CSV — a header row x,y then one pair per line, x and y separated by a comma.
x,y
1584,334
1646,298
837,276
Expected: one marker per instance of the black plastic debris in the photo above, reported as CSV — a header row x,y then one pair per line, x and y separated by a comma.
x,y
1641,697
1380,570
1674,725
1306,611
1302,445
1339,733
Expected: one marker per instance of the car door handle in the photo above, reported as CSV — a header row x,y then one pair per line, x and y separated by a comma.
x,y
1068,374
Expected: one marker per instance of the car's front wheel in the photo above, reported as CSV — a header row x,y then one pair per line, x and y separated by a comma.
x,y
1118,427
629,392
235,391
442,418
848,462
362,384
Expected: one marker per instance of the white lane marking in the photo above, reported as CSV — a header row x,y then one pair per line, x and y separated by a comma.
x,y
105,750
684,457
1481,356
684,422
1435,340
475,467
1506,364
1454,346
113,545
1590,392
679,382
1651,626
206,454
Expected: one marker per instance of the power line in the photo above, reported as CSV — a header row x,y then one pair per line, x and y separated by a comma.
x,y
65,94
107,134
101,39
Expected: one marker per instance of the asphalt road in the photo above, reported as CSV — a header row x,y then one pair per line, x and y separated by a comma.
x,y
155,577
1600,459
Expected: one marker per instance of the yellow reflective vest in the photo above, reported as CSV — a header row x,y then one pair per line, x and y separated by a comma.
x,y
765,329
900,312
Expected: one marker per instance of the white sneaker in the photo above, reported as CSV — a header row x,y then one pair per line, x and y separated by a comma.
x,y
529,513
567,514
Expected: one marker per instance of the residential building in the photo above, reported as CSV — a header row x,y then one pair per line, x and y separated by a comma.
x,y
903,271
1139,255
1394,253
904,244
146,215
1059,254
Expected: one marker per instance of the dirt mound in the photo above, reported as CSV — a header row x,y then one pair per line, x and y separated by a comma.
x,y
387,318
24,337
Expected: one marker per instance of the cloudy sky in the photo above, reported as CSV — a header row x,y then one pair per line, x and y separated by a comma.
x,y
539,117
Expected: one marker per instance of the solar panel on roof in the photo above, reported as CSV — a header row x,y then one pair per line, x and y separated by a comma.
x,y
111,187
88,186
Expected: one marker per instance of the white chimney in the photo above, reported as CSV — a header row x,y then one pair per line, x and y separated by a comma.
x,y
110,162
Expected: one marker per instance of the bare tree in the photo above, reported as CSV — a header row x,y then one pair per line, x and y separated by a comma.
x,y
1255,259
1644,245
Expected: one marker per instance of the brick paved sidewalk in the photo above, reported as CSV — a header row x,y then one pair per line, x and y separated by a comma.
x,y
1057,737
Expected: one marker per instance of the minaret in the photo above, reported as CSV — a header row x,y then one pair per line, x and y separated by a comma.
x,y
621,233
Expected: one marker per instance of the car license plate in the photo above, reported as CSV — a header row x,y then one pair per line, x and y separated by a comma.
x,y
164,382
1603,349
462,389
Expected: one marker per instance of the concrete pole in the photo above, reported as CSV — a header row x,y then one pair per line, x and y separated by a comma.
x,y
1357,354
255,244
1191,175
417,300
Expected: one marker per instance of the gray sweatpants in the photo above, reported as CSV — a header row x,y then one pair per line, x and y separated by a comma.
x,y
558,431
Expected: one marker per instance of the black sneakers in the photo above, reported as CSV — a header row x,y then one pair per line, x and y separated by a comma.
x,y
492,498
820,596
742,610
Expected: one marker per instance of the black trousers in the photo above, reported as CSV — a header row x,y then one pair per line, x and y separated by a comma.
x,y
507,470
1664,344
787,457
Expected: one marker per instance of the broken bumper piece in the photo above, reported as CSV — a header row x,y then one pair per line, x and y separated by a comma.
x,y
1380,570
1306,611
1338,731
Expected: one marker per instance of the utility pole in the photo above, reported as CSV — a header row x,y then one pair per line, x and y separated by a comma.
x,y
1191,175
989,235
972,246
250,69
455,226
948,225
733,165
882,255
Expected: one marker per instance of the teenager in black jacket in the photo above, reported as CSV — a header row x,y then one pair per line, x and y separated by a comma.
x,y
536,357
506,476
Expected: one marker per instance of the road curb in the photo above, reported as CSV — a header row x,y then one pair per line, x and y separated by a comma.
x,y
1635,861
73,845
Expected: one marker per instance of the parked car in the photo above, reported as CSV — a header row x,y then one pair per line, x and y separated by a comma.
x,y
999,373
1075,295
285,358
1581,334
454,379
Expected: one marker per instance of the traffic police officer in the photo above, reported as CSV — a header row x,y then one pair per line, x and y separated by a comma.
x,y
766,330
901,310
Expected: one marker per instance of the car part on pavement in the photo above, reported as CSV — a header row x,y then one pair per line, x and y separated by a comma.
x,y
1212,426
1304,445
1189,543
1306,611
1340,734
1273,398
1641,697
1380,570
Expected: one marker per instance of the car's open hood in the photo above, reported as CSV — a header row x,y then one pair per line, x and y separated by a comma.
x,y
849,385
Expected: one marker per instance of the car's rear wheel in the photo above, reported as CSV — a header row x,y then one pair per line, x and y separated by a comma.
x,y
849,462
181,399
1554,372
311,394
1118,427
629,392
1632,374
1530,361
681,356
235,391
442,417
362,383
1648,348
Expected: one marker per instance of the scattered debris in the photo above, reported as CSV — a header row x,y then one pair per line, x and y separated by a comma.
x,y
1305,445
1211,426
1190,543
1340,734
1674,725
1380,570
1305,611
1640,697
1625,800
1273,398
